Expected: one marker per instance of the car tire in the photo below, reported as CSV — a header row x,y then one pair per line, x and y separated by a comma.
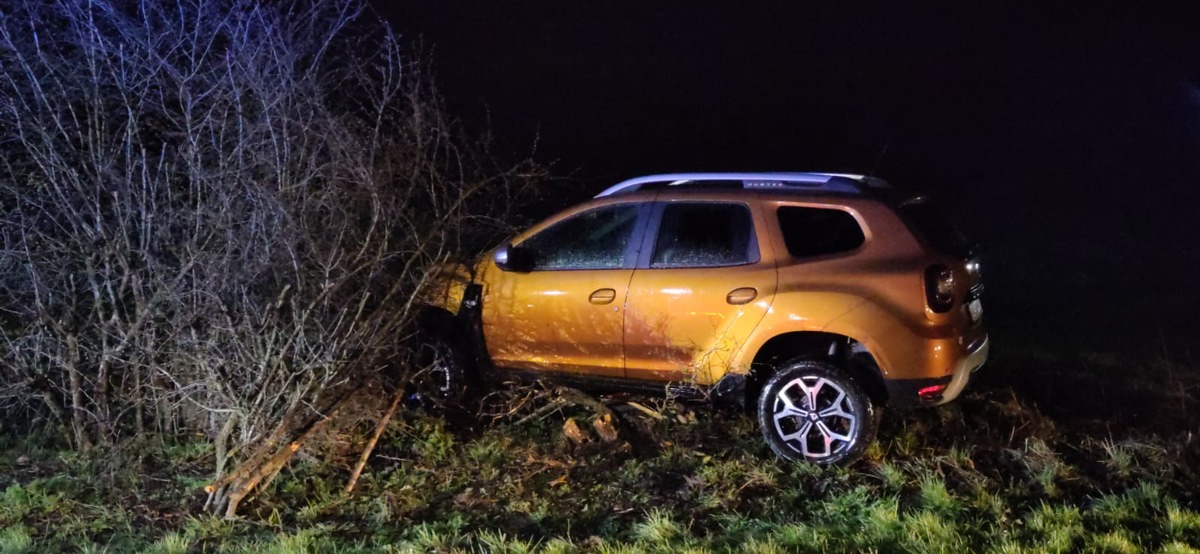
x,y
837,431
441,374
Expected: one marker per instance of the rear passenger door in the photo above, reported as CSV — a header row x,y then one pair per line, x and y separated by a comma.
x,y
704,280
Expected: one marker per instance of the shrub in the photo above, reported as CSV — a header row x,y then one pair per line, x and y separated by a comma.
x,y
216,217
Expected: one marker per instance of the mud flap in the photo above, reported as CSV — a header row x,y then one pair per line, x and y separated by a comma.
x,y
730,391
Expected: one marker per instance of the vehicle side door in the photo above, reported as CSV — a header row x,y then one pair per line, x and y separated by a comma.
x,y
704,281
566,313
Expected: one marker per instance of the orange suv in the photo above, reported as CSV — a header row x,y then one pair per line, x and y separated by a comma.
x,y
812,298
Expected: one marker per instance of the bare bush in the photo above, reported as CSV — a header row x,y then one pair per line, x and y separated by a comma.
x,y
216,215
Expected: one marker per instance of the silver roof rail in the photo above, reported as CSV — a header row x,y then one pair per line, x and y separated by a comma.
x,y
821,182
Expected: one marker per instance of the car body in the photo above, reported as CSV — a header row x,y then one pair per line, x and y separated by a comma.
x,y
713,283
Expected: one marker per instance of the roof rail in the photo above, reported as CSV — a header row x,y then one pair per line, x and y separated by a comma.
x,y
820,182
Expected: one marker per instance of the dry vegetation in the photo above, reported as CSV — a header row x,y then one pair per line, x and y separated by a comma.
x,y
215,218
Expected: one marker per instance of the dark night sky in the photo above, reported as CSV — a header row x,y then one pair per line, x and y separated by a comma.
x,y
1069,136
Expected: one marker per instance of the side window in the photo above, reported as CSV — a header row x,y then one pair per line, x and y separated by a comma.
x,y
809,232
704,235
592,240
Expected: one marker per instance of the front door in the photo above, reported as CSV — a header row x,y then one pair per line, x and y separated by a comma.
x,y
698,292
567,313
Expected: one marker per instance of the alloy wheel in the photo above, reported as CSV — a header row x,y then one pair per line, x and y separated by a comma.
x,y
815,417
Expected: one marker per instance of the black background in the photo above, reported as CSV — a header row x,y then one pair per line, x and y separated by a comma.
x,y
1067,136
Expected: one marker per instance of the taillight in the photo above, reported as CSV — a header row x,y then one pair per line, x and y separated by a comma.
x,y
932,393
939,288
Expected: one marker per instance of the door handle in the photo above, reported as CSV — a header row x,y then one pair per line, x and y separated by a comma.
x,y
741,296
603,296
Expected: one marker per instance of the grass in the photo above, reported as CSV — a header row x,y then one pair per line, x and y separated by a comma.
x,y
1056,527
998,471
15,540
658,528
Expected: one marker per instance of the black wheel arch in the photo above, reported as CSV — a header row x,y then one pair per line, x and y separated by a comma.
x,y
438,321
464,329
846,353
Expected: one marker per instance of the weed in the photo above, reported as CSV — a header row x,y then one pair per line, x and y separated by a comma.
x,y
1113,510
727,483
559,546
929,532
1055,528
1120,457
171,543
605,548
800,537
1008,547
488,452
989,504
1114,542
658,527
1141,507
892,476
845,511
756,546
208,527
876,453
284,543
958,458
882,522
1180,522
181,453
19,502
906,443
15,540
379,511
1044,465
432,442
1178,548
934,496
1149,496
499,543
439,536
1047,478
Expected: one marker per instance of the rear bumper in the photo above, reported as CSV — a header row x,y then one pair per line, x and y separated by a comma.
x,y
939,390
974,360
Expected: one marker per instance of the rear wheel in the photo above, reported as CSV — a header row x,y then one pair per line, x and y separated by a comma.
x,y
811,411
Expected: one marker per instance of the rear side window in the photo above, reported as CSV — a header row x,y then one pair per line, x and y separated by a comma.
x,y
934,224
704,235
809,232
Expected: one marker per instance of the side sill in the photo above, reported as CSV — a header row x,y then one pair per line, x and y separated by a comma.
x,y
593,383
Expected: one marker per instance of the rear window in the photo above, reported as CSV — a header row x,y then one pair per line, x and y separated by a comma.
x,y
933,224
809,232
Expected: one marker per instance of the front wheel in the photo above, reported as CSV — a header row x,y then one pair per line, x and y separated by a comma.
x,y
810,411
441,375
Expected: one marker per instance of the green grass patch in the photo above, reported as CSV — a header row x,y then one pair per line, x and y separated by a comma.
x,y
992,473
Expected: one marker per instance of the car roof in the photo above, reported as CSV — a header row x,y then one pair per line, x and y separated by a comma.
x,y
843,183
